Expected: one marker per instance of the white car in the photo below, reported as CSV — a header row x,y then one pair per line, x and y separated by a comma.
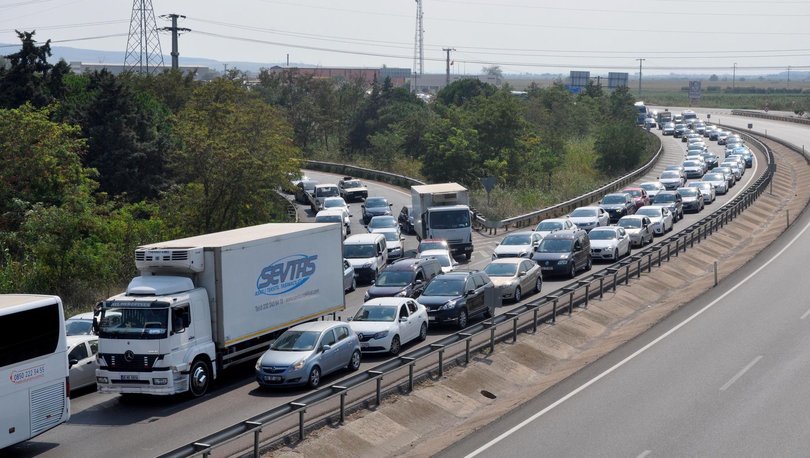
x,y
394,242
335,216
660,216
514,276
78,325
718,180
639,228
517,245
547,226
330,203
709,194
609,242
349,280
385,324
382,222
672,179
652,188
82,351
443,256
589,217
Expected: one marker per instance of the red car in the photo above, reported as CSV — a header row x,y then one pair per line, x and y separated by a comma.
x,y
639,195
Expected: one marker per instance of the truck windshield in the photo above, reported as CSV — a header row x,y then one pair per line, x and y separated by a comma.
x,y
453,219
138,323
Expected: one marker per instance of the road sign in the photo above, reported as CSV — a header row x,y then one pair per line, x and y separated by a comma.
x,y
694,91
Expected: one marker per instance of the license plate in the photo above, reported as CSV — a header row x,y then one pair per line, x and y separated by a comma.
x,y
272,378
431,318
129,377
546,268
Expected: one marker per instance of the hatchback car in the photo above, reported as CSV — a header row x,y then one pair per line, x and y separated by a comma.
x,y
547,226
306,352
517,245
385,324
375,206
638,227
611,242
82,351
456,297
718,180
668,129
660,216
694,168
639,195
709,194
692,199
588,218
672,179
673,201
514,277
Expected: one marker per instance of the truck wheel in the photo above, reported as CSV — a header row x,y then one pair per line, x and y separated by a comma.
x,y
462,319
314,377
395,346
354,363
199,377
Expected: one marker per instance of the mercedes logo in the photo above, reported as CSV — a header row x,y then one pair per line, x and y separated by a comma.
x,y
129,356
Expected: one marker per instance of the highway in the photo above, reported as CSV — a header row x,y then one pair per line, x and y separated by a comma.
x,y
168,423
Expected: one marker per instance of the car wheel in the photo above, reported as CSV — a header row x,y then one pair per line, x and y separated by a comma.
x,y
573,272
423,332
199,377
396,346
538,284
354,284
589,264
467,256
517,296
314,377
462,319
354,363
616,254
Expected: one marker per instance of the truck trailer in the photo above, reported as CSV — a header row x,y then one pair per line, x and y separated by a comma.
x,y
204,303
442,211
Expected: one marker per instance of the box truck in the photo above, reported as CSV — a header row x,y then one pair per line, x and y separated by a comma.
x,y
442,211
202,304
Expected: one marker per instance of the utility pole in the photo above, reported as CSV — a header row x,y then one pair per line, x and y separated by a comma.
x,y
175,31
734,77
640,61
788,81
418,47
447,79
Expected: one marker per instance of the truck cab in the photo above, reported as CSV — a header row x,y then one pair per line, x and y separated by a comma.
x,y
442,211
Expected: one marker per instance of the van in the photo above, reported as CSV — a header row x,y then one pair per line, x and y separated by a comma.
x,y
367,253
404,278
564,253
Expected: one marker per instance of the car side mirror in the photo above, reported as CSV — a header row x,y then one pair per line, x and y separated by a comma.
x,y
418,282
521,273
73,362
403,319
351,215
326,348
470,292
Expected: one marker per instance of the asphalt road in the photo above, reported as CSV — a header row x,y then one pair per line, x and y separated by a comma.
x,y
107,425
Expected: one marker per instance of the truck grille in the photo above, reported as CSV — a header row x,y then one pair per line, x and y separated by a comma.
x,y
137,363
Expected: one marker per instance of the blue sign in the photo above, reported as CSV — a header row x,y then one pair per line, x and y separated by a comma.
x,y
286,274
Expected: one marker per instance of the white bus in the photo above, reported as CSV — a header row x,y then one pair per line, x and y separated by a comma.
x,y
34,386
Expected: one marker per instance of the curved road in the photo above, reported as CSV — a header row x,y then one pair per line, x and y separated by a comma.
x,y
103,424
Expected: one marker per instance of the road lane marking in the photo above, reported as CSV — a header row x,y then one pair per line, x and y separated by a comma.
x,y
638,352
740,374
806,314
644,453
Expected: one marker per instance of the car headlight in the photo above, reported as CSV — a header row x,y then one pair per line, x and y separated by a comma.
x,y
298,365
494,255
402,293
258,364
366,297
380,335
449,305
367,265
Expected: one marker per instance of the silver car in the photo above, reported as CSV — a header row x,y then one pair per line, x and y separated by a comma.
x,y
349,280
514,276
306,352
82,351
639,228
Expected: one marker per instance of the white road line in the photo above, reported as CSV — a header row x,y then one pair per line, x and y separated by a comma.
x,y
644,453
637,352
806,314
741,373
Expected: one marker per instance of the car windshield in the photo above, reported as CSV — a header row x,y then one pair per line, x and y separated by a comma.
x,y
394,278
692,164
650,187
613,199
352,184
296,341
555,246
134,323
425,245
78,327
517,239
501,269
584,213
382,221
329,219
688,192
330,191
630,223
633,192
358,251
664,197
714,177
376,313
647,211
450,219
602,235
549,226
670,174
391,236
375,202
445,287
331,203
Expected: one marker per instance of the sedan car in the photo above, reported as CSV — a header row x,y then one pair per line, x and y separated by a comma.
x,y
82,351
385,324
382,222
589,217
517,245
660,216
639,195
709,194
673,201
547,226
694,168
668,129
514,276
638,227
306,352
611,242
652,188
718,180
618,204
375,206
337,203
672,179
692,199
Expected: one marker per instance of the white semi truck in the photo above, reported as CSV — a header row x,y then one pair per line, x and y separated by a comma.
x,y
204,303
442,211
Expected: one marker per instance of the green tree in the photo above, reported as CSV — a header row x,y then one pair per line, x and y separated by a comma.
x,y
30,78
235,150
451,153
620,146
462,91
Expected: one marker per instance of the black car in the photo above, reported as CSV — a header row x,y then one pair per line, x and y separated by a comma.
x,y
618,204
678,132
564,253
405,219
375,206
457,296
673,201
404,278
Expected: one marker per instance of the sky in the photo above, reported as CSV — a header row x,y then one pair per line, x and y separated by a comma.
x,y
520,36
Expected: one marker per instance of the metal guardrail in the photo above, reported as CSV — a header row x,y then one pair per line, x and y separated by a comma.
x,y
796,148
362,172
328,405
759,114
